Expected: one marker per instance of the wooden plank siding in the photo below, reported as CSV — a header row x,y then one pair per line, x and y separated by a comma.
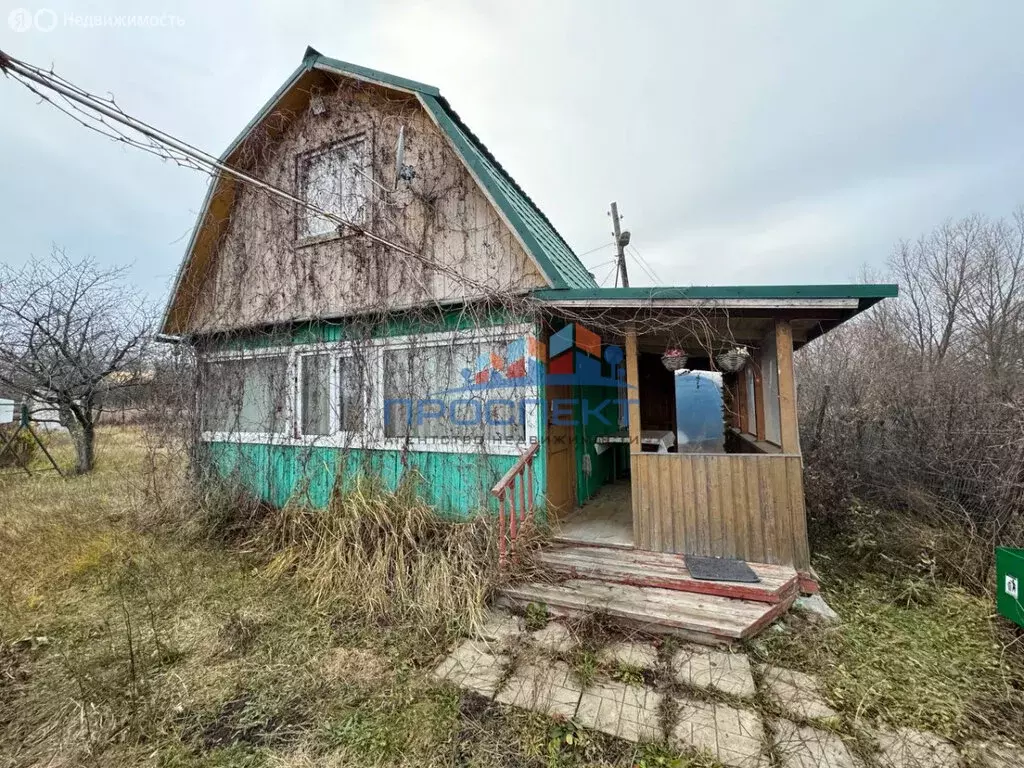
x,y
749,506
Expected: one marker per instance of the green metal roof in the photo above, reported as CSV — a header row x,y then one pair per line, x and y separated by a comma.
x,y
866,294
554,256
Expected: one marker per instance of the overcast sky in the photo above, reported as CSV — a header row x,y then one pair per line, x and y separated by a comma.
x,y
745,142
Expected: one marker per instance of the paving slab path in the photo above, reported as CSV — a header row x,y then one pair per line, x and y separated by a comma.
x,y
688,710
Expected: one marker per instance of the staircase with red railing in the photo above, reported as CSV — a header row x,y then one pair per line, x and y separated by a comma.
x,y
513,512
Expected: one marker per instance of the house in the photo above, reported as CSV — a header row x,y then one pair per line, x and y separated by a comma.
x,y
389,301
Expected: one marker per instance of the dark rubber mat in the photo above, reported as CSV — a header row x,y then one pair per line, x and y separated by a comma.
x,y
719,569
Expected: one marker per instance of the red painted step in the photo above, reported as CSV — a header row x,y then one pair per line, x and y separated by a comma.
x,y
665,571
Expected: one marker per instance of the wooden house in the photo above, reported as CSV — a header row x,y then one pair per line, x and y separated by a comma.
x,y
386,300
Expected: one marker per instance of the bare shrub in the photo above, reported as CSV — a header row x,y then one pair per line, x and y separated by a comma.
x,y
918,406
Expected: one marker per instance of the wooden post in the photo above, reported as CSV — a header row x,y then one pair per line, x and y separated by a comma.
x,y
633,389
787,387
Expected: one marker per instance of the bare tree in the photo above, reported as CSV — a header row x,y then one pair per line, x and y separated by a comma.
x,y
71,333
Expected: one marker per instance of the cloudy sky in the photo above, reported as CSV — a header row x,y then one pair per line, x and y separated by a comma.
x,y
745,142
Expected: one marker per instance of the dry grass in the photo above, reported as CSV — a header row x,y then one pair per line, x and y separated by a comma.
x,y
142,623
386,558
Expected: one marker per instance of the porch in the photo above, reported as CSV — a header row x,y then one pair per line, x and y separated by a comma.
x,y
702,461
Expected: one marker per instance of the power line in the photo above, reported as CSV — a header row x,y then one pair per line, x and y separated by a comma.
x,y
160,143
594,250
644,263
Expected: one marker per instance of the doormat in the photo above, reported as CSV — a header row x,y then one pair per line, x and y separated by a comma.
x,y
719,569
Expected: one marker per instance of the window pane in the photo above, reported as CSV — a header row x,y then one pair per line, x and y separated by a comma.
x,y
316,394
700,412
770,391
463,392
331,179
353,408
246,395
752,406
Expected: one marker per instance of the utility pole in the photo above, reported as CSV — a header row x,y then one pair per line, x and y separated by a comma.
x,y
621,241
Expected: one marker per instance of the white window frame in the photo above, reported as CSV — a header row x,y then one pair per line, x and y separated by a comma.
x,y
357,143
269,438
372,436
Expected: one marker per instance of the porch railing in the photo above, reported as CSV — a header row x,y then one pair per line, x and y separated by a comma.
x,y
513,512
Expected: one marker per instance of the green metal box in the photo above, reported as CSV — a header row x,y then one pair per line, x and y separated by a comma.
x,y
1009,581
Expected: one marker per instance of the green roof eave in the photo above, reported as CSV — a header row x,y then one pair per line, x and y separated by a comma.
x,y
866,294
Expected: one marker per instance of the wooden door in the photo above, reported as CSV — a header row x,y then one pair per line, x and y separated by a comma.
x,y
561,470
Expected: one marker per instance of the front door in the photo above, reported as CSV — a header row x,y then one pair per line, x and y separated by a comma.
x,y
561,495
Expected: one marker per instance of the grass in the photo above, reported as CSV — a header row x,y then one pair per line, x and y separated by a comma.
x,y
143,626
946,665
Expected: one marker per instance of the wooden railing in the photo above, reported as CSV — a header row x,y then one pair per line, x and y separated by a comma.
x,y
743,505
512,513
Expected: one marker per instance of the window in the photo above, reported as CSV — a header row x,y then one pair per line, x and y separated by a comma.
x,y
700,412
334,180
351,394
246,396
450,392
752,406
770,390
315,383
458,391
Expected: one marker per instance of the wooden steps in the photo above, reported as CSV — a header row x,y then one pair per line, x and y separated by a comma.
x,y
710,619
665,571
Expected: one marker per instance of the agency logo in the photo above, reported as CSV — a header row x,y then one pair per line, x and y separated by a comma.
x,y
517,366
576,358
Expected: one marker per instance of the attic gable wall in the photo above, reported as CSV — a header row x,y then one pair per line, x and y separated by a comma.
x,y
259,274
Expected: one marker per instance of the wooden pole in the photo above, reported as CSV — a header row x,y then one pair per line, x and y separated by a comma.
x,y
633,389
619,246
787,387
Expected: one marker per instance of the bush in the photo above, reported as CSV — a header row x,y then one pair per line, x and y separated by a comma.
x,y
21,452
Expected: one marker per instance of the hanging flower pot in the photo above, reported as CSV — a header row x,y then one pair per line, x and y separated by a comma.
x,y
674,359
732,360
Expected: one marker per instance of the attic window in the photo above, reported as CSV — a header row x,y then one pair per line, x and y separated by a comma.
x,y
334,179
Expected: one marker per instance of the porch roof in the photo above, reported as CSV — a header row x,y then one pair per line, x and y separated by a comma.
x,y
740,312
856,297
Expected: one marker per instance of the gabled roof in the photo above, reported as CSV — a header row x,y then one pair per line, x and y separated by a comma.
x,y
553,255
537,234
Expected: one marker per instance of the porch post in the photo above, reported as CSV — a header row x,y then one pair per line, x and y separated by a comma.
x,y
787,387
641,532
633,389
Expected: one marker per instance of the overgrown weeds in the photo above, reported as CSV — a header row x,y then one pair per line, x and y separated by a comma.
x,y
386,558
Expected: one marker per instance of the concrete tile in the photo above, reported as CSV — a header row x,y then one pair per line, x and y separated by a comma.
x,y
907,748
714,670
554,638
500,627
629,654
474,667
627,711
800,746
735,737
797,694
548,688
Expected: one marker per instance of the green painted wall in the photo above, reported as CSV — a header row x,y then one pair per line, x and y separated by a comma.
x,y
457,484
